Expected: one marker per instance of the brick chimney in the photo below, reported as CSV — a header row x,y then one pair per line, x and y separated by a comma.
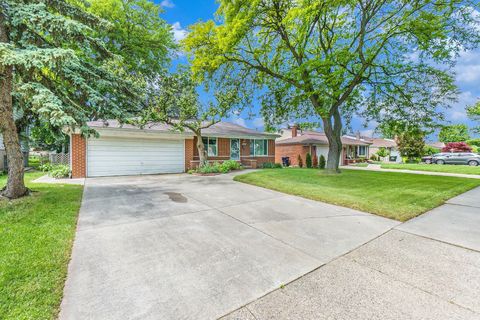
x,y
294,130
358,135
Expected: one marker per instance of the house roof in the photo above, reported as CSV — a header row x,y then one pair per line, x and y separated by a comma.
x,y
437,144
220,129
313,137
381,142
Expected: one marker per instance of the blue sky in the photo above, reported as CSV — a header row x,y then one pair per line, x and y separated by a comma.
x,y
182,13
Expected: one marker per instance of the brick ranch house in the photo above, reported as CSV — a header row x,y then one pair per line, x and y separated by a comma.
x,y
294,142
388,144
129,150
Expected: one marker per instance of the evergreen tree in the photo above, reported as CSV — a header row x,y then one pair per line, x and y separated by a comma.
x,y
322,162
55,68
308,160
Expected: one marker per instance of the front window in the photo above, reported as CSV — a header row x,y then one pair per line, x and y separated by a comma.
x,y
259,147
362,151
211,146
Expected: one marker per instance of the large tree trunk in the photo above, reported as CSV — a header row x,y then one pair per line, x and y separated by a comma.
x,y
202,152
15,185
333,133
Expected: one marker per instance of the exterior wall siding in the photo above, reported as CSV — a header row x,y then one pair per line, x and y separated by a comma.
x,y
223,150
79,156
190,149
256,161
223,145
292,151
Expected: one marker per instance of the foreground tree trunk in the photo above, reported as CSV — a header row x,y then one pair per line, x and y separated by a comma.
x,y
333,133
202,152
15,187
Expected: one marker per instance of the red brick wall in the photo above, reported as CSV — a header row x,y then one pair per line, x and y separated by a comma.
x,y
189,151
292,151
79,156
245,152
223,152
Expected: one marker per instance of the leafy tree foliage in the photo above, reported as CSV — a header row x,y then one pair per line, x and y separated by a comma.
x,y
173,99
324,59
55,68
138,33
46,137
474,113
454,133
410,143
456,147
429,150
383,152
473,142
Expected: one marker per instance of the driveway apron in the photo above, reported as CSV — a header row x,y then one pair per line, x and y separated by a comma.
x,y
187,247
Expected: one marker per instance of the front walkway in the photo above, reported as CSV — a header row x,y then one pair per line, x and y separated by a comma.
x,y
375,167
426,268
47,179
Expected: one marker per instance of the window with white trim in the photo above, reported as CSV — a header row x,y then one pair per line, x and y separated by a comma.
x,y
211,145
362,150
259,147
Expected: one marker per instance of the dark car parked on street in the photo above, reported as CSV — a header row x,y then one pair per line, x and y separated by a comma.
x,y
469,158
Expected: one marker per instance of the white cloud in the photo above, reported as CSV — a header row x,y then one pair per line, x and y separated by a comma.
x,y
457,112
468,67
178,32
367,133
258,123
167,4
240,121
458,115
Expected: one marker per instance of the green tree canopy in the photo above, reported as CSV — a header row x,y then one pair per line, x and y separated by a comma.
x,y
474,113
411,143
454,133
329,59
56,68
138,33
173,99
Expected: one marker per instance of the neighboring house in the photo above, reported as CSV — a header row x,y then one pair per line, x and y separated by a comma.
x,y
294,142
129,150
388,144
437,145
3,154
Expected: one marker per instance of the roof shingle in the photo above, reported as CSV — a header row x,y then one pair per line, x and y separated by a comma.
x,y
220,129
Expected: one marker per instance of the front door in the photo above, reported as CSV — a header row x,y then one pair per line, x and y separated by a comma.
x,y
235,149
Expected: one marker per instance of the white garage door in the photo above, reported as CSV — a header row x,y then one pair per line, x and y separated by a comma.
x,y
113,156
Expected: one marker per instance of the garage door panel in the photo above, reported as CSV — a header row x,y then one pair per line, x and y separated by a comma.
x,y
126,156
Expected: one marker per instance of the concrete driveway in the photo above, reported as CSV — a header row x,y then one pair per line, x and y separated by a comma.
x,y
187,247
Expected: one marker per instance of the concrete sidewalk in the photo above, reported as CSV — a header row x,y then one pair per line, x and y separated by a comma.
x,y
373,167
426,268
47,179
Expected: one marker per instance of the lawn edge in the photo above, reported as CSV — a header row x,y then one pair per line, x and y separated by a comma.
x,y
443,201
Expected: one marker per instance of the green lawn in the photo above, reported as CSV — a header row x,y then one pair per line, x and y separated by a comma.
x,y
36,235
393,195
434,168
